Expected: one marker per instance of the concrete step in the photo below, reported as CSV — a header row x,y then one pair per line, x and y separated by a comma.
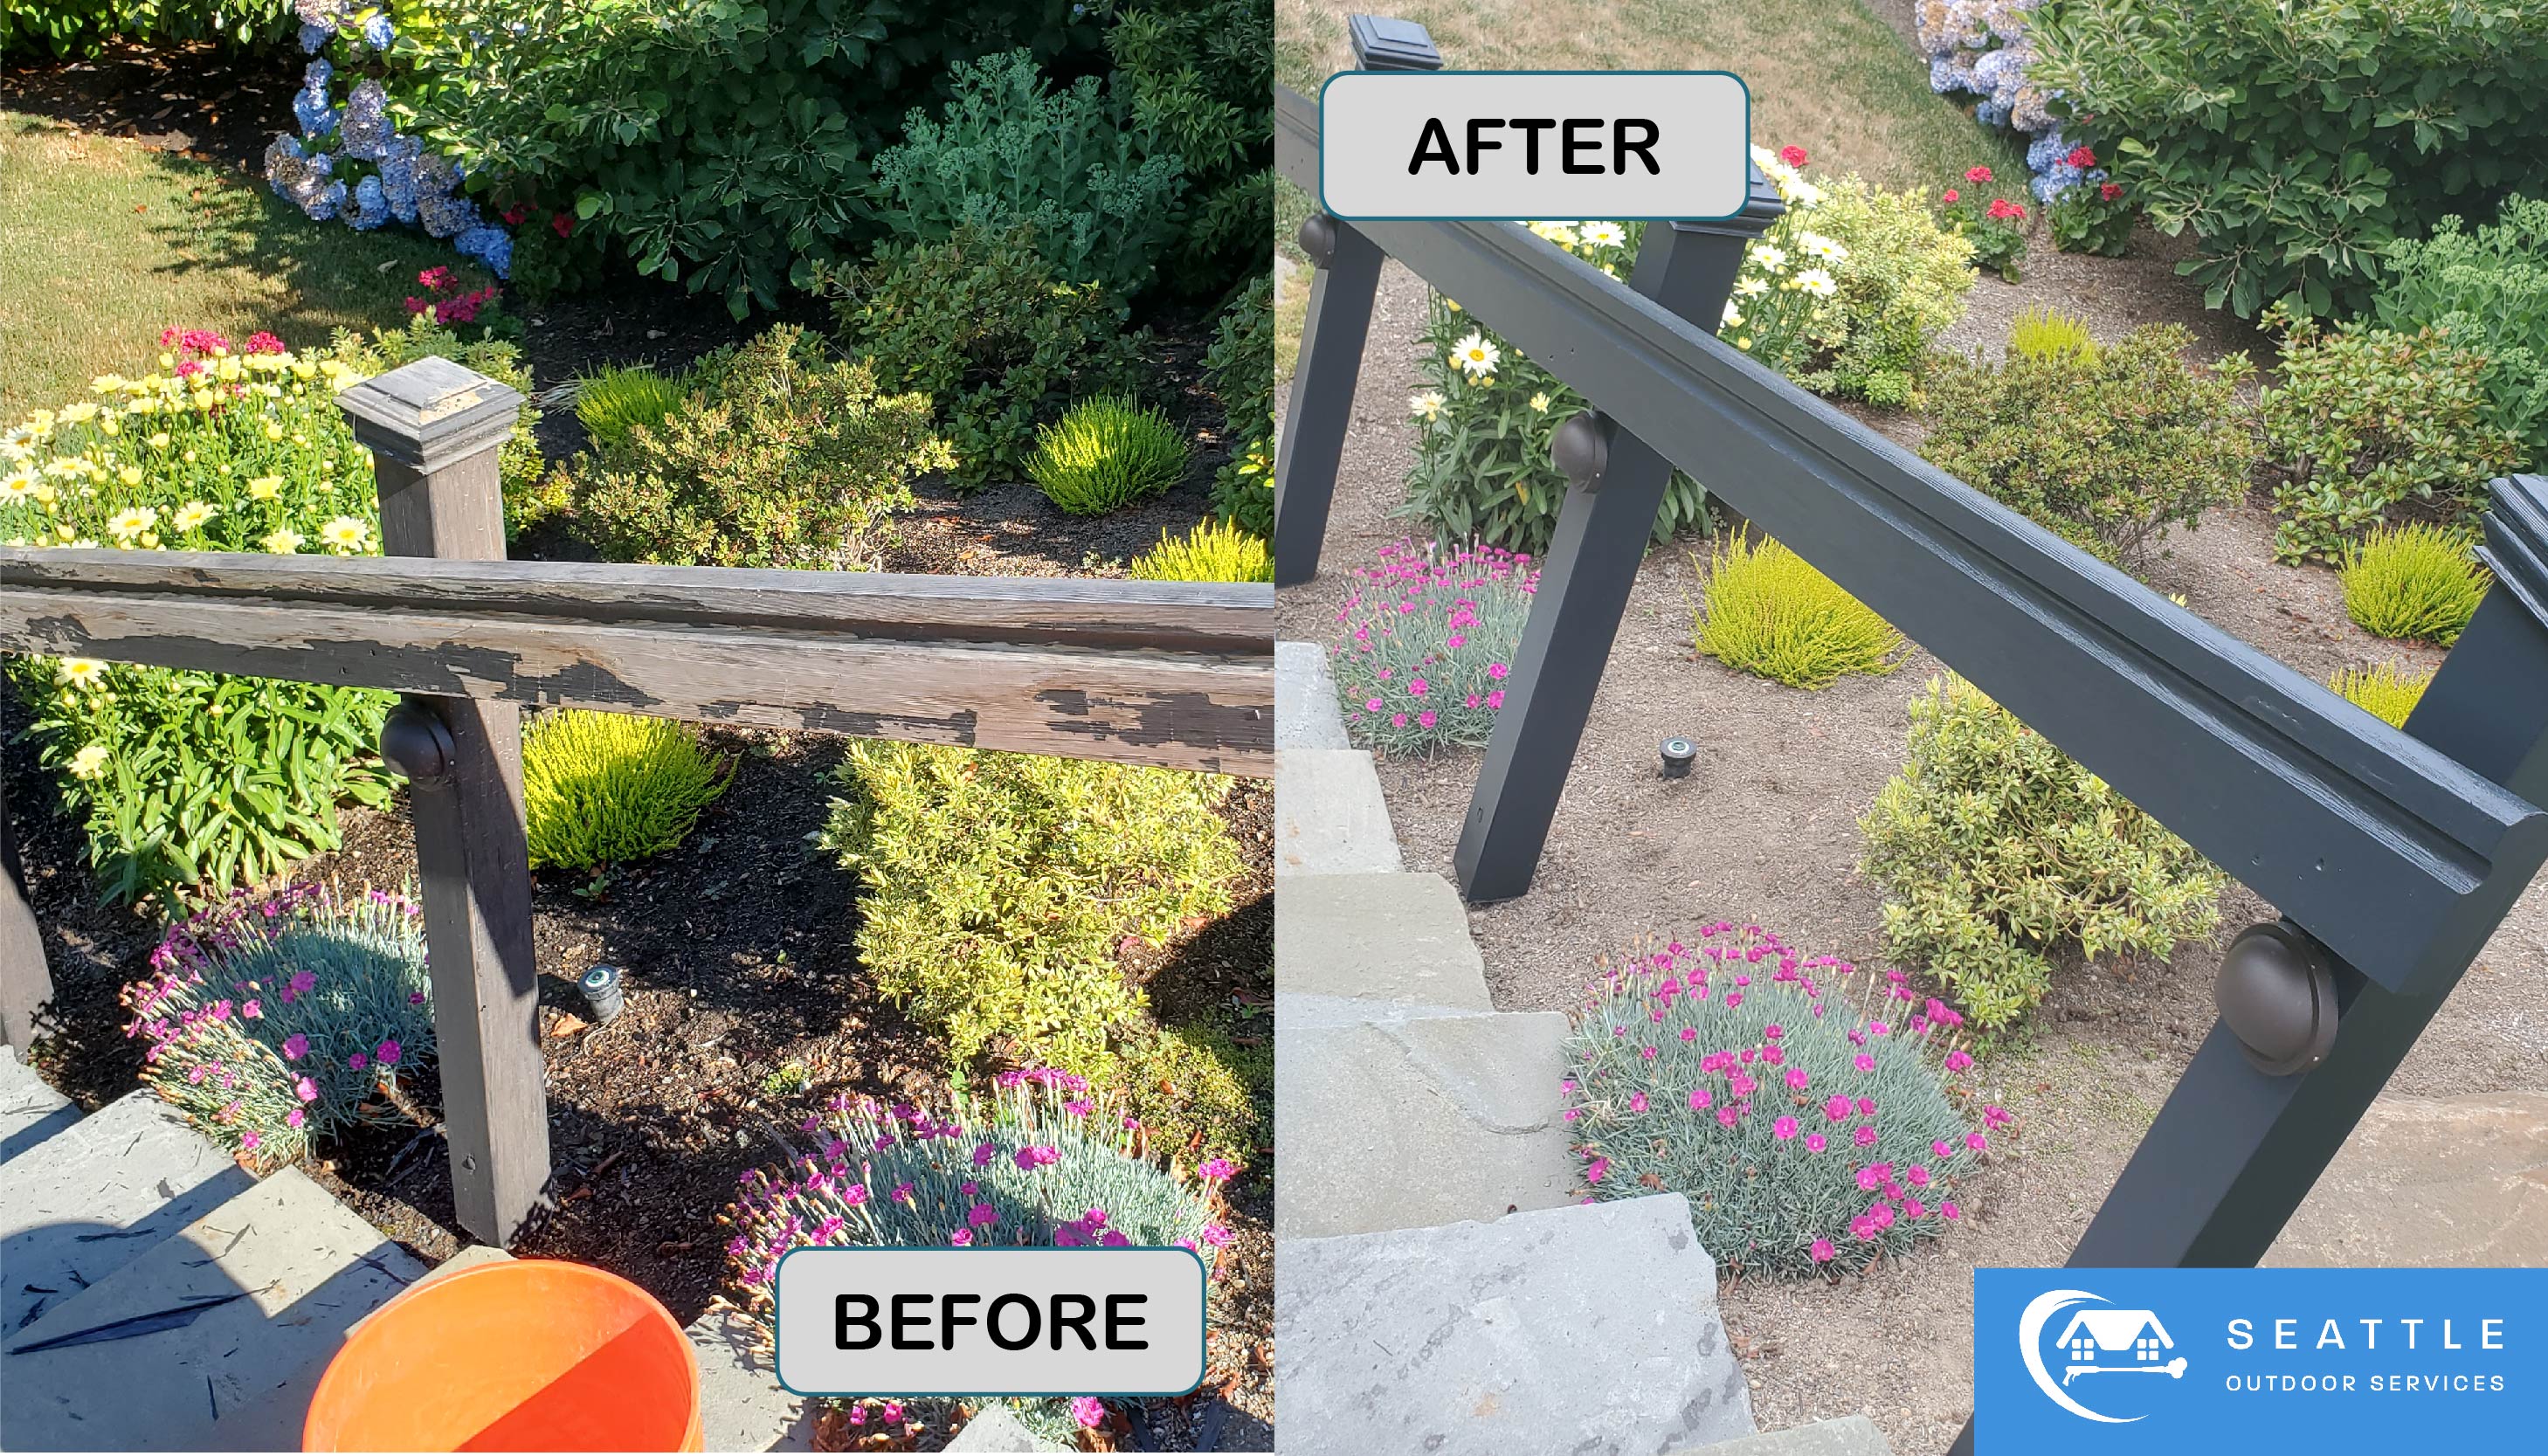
x,y
98,1195
742,1406
1305,698
1849,1435
998,1427
1590,1327
1380,937
30,1111
1412,1117
237,1376
1329,814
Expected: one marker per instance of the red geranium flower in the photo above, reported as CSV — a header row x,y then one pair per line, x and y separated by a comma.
x,y
2002,208
1793,157
262,343
1978,174
562,224
1951,195
2082,156
2109,190
514,215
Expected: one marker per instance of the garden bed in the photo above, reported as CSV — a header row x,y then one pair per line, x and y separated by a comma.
x,y
1765,829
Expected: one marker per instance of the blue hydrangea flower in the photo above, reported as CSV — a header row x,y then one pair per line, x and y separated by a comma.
x,y
446,216
1991,113
2046,150
371,208
316,75
316,116
1943,78
398,175
378,32
314,38
324,203
491,245
366,121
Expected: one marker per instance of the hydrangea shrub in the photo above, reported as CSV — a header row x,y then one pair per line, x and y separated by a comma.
x,y
1807,1111
1425,645
1998,852
277,1019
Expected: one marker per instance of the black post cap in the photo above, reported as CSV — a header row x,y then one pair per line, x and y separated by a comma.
x,y
1382,44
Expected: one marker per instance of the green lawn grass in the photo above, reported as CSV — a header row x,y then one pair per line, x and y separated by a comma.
x,y
107,242
1826,75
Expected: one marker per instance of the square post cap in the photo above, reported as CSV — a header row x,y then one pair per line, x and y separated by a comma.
x,y
2516,541
431,413
1762,207
1381,44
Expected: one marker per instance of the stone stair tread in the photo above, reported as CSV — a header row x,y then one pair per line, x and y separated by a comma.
x,y
1849,1435
1589,1328
1304,1010
238,1376
1329,814
742,1405
30,1111
1305,698
98,1195
1418,1121
997,1429
1393,936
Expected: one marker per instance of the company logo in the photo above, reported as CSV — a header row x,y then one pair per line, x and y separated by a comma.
x,y
2092,1341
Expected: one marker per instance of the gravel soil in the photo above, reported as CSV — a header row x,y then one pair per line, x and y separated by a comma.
x,y
1765,829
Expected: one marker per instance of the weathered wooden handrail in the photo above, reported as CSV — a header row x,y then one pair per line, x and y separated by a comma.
x,y
1170,674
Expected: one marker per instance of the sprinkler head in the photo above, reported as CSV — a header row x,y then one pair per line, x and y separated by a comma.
x,y
600,987
1678,755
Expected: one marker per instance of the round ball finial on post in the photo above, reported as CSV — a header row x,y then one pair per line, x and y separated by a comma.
x,y
2277,995
415,742
1580,449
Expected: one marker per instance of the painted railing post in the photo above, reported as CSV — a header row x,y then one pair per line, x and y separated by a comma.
x,y
1333,335
1616,486
435,429
25,984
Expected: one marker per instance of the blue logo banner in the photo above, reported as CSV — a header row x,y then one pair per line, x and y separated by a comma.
x,y
2192,1361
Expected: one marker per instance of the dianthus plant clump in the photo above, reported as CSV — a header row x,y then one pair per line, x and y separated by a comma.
x,y
278,1019
1809,1112
1427,642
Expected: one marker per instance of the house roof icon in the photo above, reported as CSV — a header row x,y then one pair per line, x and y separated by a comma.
x,y
2116,1330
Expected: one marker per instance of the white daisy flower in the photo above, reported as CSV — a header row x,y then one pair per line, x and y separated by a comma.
x,y
284,542
80,672
1475,354
1817,282
1821,248
1428,404
90,761
132,521
1604,235
1771,258
194,513
344,534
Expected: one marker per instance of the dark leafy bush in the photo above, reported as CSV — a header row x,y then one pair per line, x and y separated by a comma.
x,y
999,887
2297,140
980,323
721,145
1011,152
2096,220
783,457
1200,75
1241,370
2106,446
75,28
2487,288
2371,425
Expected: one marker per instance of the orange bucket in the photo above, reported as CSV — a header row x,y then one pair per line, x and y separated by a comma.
x,y
512,1355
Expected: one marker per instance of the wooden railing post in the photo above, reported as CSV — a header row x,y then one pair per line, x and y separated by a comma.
x,y
1616,486
1333,335
433,428
25,984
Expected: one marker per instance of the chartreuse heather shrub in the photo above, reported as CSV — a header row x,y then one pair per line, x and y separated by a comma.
x,y
2487,288
2040,331
783,457
981,324
999,887
2108,447
185,780
274,1020
1106,453
2413,581
612,401
1766,610
1213,551
1045,1161
1806,1109
1997,851
605,788
1009,152
2369,425
1482,469
2386,691
2299,141
1241,370
1425,645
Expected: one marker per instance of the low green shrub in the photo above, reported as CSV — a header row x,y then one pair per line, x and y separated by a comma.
x,y
2386,691
1106,453
1996,851
1197,1093
1241,370
1766,610
999,887
781,457
1009,152
1213,551
2411,580
614,400
1850,289
2108,447
1481,471
981,324
276,1020
605,788
2487,288
2367,421
1810,1128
